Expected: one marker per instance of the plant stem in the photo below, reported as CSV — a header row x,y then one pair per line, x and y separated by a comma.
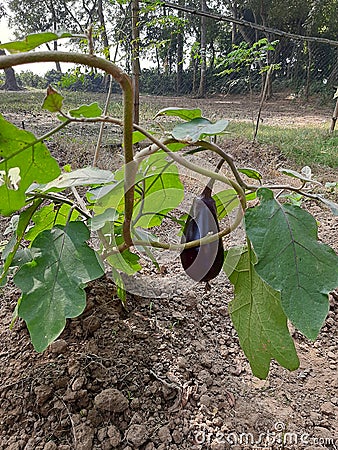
x,y
59,198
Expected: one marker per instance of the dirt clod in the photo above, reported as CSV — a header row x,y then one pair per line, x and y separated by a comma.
x,y
137,435
111,400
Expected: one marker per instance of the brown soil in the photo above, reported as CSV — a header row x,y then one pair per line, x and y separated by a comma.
x,y
169,372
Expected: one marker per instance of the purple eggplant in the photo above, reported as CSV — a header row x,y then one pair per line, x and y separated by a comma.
x,y
202,263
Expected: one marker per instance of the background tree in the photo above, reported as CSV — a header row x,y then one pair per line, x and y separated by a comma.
x,y
10,80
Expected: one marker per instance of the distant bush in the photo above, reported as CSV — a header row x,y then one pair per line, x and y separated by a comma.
x,y
75,80
157,83
31,79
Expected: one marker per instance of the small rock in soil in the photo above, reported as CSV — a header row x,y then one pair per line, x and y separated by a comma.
x,y
327,408
164,434
111,400
114,436
43,393
91,324
84,437
58,347
50,446
137,435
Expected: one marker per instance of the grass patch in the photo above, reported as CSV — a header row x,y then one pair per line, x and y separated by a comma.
x,y
303,145
31,100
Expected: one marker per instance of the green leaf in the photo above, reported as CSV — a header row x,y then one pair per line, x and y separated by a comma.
x,y
53,100
29,159
226,201
13,245
99,220
126,262
182,113
86,176
49,216
176,146
92,110
332,205
300,176
250,173
53,283
291,260
32,41
121,291
138,137
151,211
294,198
258,317
198,129
145,235
158,191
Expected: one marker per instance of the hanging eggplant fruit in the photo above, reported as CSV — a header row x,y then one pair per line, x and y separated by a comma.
x,y
203,263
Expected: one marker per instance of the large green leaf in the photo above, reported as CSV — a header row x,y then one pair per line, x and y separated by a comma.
x,y
86,176
92,110
48,216
32,41
53,283
291,260
198,128
182,113
258,317
158,190
226,201
23,160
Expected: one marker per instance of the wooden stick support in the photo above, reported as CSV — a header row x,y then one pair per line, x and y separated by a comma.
x,y
334,117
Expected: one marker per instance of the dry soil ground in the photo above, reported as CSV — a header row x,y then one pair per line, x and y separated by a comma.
x,y
169,373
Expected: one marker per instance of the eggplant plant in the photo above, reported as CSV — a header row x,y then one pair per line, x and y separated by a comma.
x,y
281,273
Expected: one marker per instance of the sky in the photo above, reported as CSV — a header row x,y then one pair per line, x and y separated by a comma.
x,y
6,36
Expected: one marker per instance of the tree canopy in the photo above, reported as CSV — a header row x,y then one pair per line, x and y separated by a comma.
x,y
173,42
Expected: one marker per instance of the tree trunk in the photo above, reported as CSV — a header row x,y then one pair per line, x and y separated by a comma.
x,y
135,45
334,117
104,35
10,80
308,73
55,43
203,78
180,46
